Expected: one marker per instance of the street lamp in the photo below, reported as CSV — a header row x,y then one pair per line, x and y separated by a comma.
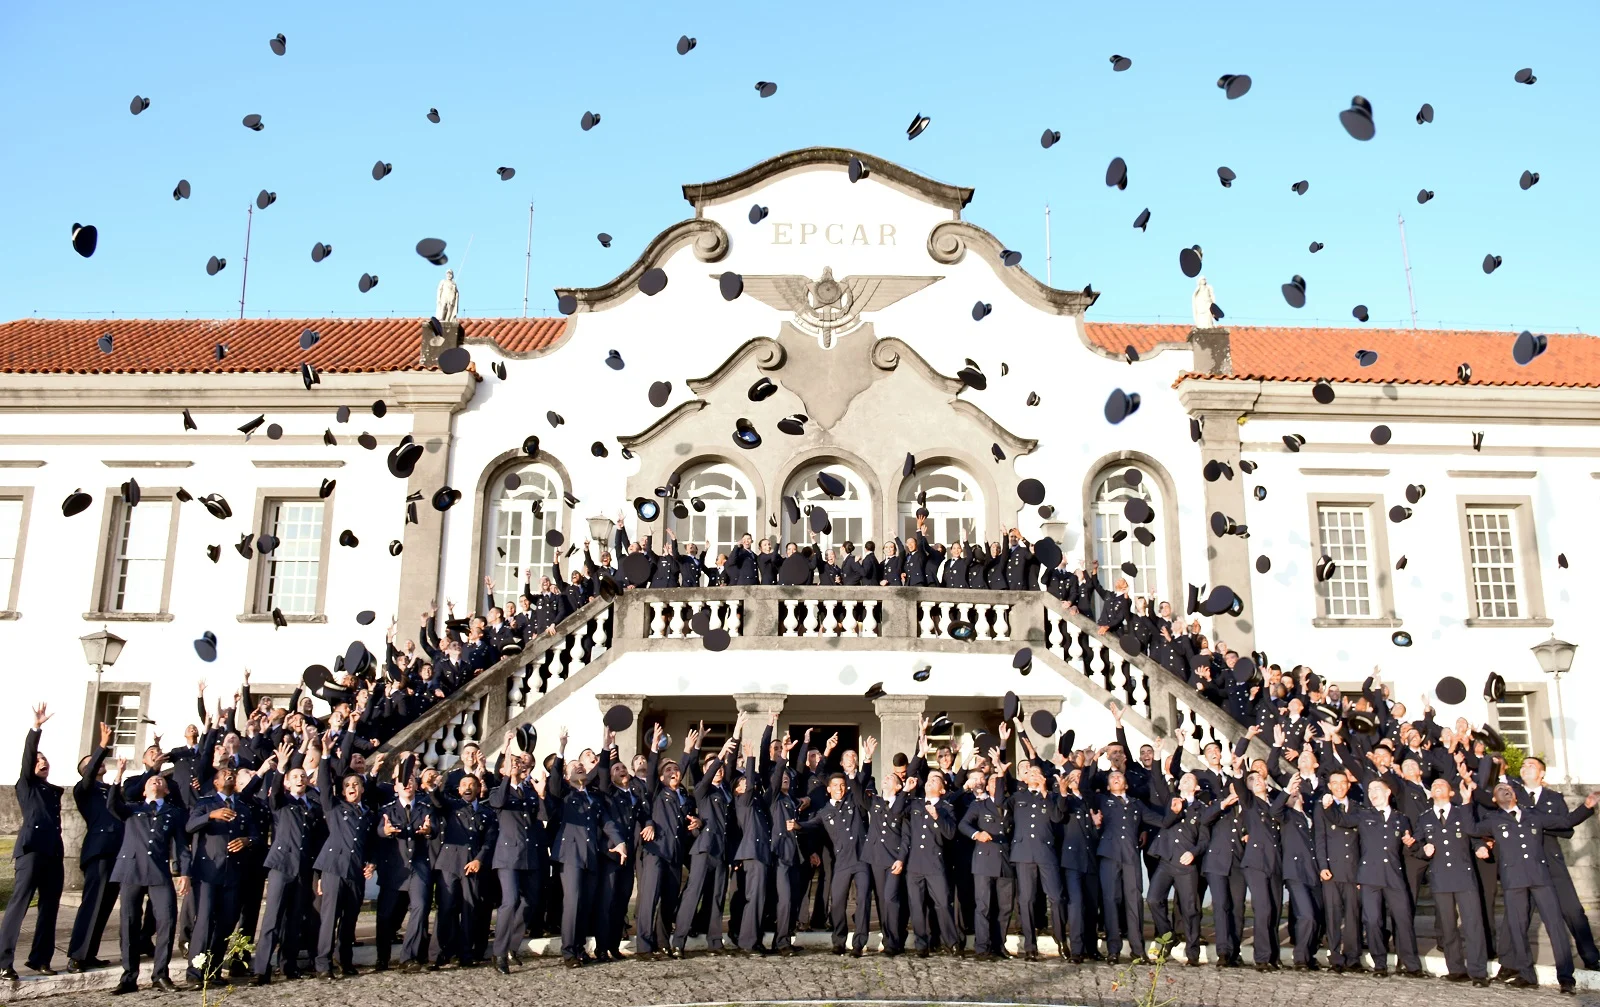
x,y
1555,657
101,650
599,528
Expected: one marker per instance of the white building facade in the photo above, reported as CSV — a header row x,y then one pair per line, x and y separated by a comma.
x,y
858,305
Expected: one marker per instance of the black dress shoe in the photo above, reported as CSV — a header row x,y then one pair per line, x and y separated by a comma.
x,y
1456,977
1484,982
1075,959
261,980
856,953
1518,982
1570,989
516,959
574,963
327,977
348,970
1192,963
98,963
1380,973
1263,967
74,965
164,984
841,951
922,952
502,965
44,970
125,986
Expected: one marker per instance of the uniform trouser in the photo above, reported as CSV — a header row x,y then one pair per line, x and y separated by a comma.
x,y
338,907
786,886
930,892
1465,947
1226,907
1572,912
889,889
164,908
1187,882
1031,878
708,877
1266,899
41,874
815,908
839,904
216,913
1303,899
1396,902
579,887
252,880
1124,904
1341,903
961,886
459,895
99,897
519,900
755,904
991,912
736,900
1489,888
288,898
394,900
611,914
1518,916
658,901
1080,910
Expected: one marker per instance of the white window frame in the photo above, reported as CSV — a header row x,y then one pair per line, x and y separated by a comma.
x,y
513,528
730,508
954,511
1379,577
1111,494
270,504
850,515
11,564
1527,583
104,604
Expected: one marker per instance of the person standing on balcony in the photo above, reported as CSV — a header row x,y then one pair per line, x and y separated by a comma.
x,y
1022,569
740,570
1117,609
894,572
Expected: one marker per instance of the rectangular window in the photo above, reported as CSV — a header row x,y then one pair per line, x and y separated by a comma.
x,y
141,537
121,711
1343,535
10,545
293,570
1515,714
1492,562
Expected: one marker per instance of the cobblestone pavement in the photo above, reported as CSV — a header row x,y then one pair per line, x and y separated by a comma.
x,y
824,977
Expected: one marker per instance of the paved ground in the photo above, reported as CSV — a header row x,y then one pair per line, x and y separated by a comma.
x,y
823,977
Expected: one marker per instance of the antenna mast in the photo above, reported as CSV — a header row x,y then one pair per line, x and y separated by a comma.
x,y
250,212
527,263
1047,281
1406,258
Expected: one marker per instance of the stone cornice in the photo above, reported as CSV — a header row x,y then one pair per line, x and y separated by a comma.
x,y
939,193
888,353
710,245
230,392
948,244
772,357
1364,402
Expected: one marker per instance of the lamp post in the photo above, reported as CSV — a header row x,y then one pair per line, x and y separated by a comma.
x,y
101,650
599,527
1555,657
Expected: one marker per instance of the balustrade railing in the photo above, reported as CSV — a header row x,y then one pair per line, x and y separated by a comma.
x,y
672,618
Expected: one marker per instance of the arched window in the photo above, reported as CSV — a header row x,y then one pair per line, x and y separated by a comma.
x,y
730,507
1111,496
850,515
954,502
518,521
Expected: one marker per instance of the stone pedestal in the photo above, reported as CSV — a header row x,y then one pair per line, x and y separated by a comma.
x,y
899,724
627,741
432,345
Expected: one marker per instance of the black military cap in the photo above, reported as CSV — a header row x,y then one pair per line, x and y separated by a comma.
x,y
1220,600
1047,552
1033,398
530,445
206,646
1399,513
1010,258
433,115
444,498
554,539
646,508
998,452
1415,492
766,89
403,457
794,569
395,548
214,266
1561,560
265,199
1050,138
919,123
76,503
1294,442
1381,434
347,538
253,122
181,190
1137,511
1263,564
1357,119
1235,85
1222,524
1130,568
1246,466
589,121
1450,690
794,425
1400,638
432,249
566,304
1491,263
1401,563
731,284
274,431
856,169
1317,246
959,629
1294,292
830,484
1143,535
367,282
1031,492
554,418
972,375
1360,313
653,282
1527,347
1117,174
1189,260
685,43
1424,114
245,547
819,521
1043,723
1212,471
138,104
1260,492
1494,688
1529,180
507,174
619,718
567,498
1322,391
1142,221
922,674
1010,707
745,434
614,360
1423,195
84,239
105,343
1119,64
1226,176
762,389
1300,187
598,449
980,311
1525,76
1120,405
1325,568
1194,429
279,45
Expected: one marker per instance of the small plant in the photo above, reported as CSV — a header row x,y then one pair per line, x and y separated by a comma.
x,y
1514,757
236,948
1151,980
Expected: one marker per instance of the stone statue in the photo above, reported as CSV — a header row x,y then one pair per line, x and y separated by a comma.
x,y
1202,301
448,297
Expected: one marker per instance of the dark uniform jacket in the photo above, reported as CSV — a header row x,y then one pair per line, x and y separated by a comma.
x,y
520,830
405,854
583,828
985,814
344,854
40,803
103,836
1381,847
296,823
1452,867
154,844
210,861
927,837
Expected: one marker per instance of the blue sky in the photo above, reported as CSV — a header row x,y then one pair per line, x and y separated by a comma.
x,y
512,80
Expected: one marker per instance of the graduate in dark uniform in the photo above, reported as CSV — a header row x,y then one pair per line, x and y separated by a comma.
x,y
1338,861
38,854
345,862
1118,815
154,851
987,822
1080,872
1021,569
753,811
583,834
98,855
465,827
663,841
1178,849
1035,812
221,829
930,833
627,813
1446,846
297,828
884,852
786,851
519,850
708,851
844,818
1385,839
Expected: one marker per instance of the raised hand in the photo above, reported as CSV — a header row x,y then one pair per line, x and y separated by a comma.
x,y
1116,712
1327,800
40,715
388,828
284,752
105,735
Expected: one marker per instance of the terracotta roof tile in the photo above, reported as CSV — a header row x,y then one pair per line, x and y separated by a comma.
x,y
48,346
1405,356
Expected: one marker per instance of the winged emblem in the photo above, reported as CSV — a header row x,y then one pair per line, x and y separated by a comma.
x,y
827,308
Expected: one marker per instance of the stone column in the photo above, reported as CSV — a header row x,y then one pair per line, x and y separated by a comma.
x,y
1046,747
433,406
899,723
758,708
1229,555
627,741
